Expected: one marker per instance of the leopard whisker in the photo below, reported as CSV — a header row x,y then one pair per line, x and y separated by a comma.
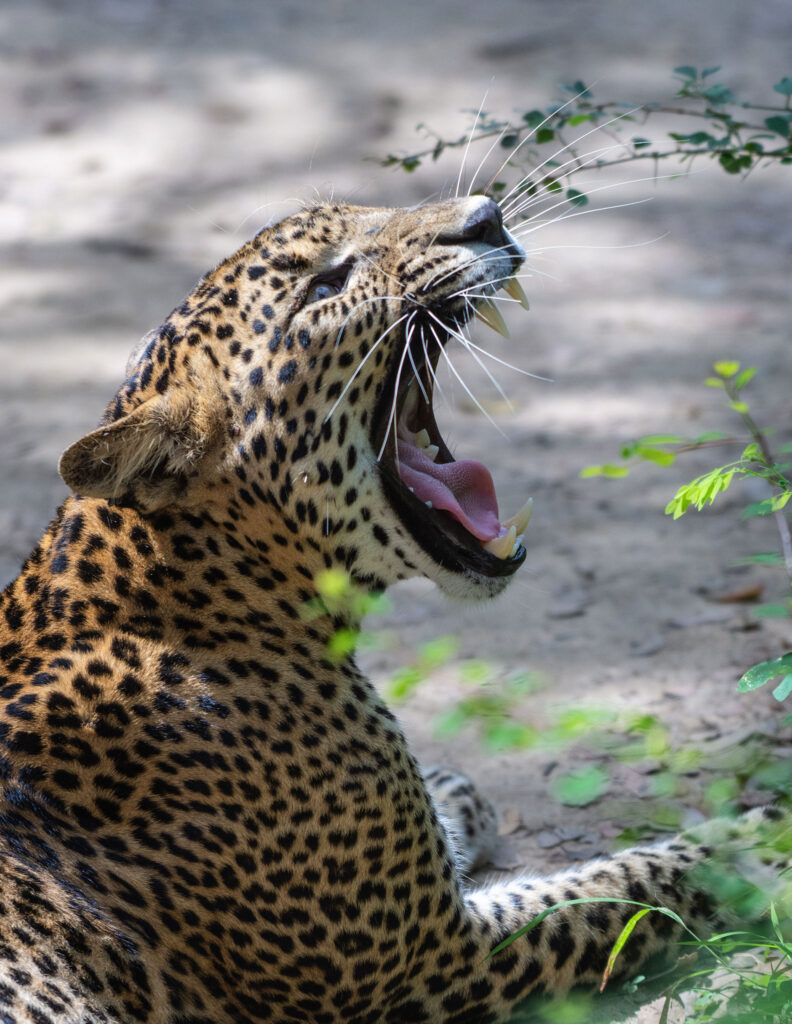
x,y
362,362
511,208
437,386
408,333
563,149
531,135
467,147
464,340
496,253
566,215
601,188
363,302
392,415
456,373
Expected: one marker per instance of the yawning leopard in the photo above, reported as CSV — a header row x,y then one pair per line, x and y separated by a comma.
x,y
206,817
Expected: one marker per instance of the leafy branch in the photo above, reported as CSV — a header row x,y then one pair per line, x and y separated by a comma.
x,y
737,135
756,460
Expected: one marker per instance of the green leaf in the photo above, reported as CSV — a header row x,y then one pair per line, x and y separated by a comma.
x,y
739,406
771,611
662,439
605,470
544,135
780,500
733,163
779,124
699,138
533,118
726,368
714,382
661,458
577,119
333,584
710,71
784,688
409,163
743,378
757,508
764,672
619,943
451,722
641,143
508,735
403,682
578,88
438,651
582,787
775,923
342,642
763,558
718,94
686,71
784,86
710,435
510,141
576,198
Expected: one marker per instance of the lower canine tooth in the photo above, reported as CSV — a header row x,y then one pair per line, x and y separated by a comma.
x,y
513,288
488,313
422,439
501,547
432,451
523,517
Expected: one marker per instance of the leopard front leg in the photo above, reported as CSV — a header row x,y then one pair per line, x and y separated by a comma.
x,y
570,947
468,817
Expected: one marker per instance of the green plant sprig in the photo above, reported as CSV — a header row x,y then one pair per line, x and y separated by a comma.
x,y
737,144
756,460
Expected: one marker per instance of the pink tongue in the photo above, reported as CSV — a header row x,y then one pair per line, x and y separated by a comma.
x,y
463,489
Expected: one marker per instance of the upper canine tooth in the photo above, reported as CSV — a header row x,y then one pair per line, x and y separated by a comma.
x,y
410,404
432,451
515,289
488,312
421,439
501,547
523,517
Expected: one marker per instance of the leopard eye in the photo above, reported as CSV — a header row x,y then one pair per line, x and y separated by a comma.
x,y
323,290
330,283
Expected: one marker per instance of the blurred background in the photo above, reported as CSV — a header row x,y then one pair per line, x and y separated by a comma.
x,y
142,140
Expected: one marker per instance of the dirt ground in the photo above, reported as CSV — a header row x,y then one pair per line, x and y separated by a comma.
x,y
141,140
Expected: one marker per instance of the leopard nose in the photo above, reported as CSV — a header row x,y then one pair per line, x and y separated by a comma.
x,y
484,224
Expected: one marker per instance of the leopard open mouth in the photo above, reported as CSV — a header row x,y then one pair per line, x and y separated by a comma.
x,y
448,506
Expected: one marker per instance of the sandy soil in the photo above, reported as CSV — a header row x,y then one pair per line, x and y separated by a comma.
x,y
144,139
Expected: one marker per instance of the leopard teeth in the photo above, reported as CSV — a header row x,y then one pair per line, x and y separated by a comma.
x,y
513,288
488,313
409,407
432,451
523,517
501,547
422,440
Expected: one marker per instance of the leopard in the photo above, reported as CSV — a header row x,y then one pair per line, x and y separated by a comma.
x,y
208,813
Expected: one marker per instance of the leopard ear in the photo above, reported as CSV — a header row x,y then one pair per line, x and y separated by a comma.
x,y
145,458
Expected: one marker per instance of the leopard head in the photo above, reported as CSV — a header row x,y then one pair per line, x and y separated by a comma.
x,y
291,395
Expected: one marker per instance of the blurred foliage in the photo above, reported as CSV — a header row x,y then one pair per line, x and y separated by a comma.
x,y
543,147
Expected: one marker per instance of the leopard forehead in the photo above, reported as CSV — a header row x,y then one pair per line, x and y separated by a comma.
x,y
247,309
